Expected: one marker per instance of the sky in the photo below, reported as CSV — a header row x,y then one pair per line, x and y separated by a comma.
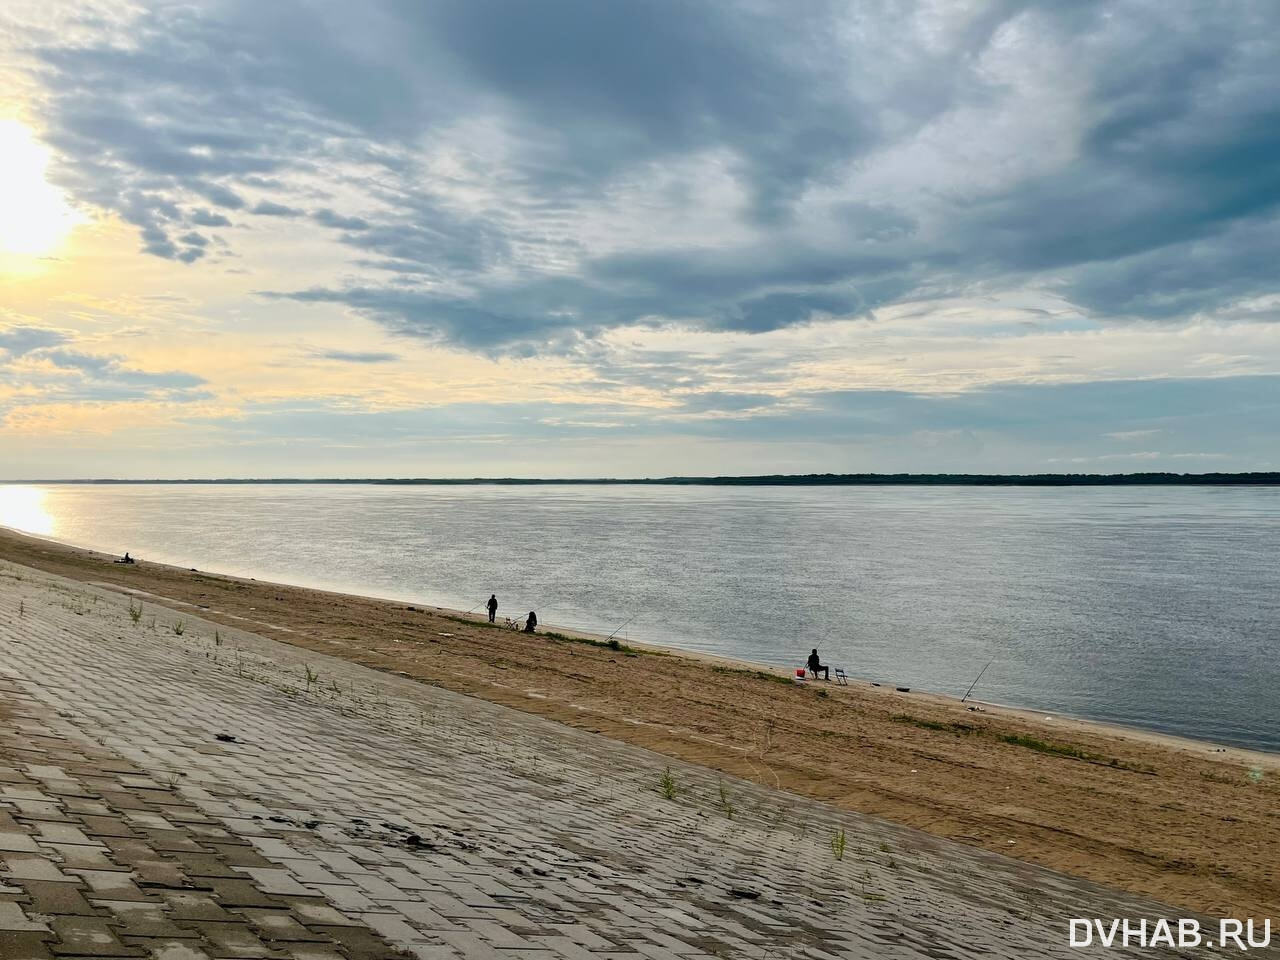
x,y
571,238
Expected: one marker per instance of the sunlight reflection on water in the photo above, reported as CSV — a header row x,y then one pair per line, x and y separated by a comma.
x,y
23,508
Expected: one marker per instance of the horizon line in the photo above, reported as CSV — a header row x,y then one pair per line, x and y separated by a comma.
x,y
777,479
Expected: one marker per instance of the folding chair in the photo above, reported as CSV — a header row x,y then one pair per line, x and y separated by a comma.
x,y
841,679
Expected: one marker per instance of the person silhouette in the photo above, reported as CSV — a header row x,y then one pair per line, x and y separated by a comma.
x,y
493,606
531,623
816,667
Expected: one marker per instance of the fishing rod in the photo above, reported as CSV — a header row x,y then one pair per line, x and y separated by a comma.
x,y
976,679
480,604
620,626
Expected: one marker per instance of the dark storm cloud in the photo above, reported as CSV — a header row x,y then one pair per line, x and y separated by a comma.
x,y
630,80
1165,203
1199,274
1177,166
738,289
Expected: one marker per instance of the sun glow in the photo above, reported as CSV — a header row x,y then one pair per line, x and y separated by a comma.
x,y
34,216
22,508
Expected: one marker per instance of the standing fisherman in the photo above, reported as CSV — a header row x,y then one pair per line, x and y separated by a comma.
x,y
493,606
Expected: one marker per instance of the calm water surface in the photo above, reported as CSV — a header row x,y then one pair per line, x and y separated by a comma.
x,y
1152,606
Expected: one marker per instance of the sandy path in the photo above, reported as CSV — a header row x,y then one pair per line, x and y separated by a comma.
x,y
1166,819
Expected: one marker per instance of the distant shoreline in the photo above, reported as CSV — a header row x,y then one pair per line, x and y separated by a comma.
x,y
1271,478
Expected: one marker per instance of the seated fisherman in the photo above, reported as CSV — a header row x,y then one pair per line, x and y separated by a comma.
x,y
815,666
531,624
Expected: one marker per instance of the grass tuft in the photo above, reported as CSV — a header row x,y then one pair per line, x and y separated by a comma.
x,y
838,841
1045,746
614,645
726,801
1025,741
667,785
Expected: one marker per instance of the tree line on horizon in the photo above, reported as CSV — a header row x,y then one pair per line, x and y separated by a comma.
x,y
798,479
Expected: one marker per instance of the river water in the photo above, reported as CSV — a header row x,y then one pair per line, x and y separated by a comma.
x,y
1152,606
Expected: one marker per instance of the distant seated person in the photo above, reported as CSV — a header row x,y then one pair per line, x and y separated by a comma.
x,y
531,623
125,559
816,667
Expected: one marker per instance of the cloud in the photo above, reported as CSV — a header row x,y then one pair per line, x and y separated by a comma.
x,y
112,370
527,177
330,219
17,341
350,356
1131,434
1206,424
1226,423
726,402
42,368
267,208
206,218
1137,460
217,194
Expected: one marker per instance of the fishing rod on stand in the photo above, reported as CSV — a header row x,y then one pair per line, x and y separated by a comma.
x,y
976,679
620,626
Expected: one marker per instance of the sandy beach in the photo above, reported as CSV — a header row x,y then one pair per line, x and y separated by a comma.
x,y
1178,821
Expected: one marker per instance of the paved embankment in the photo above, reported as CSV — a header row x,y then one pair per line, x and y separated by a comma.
x,y
174,788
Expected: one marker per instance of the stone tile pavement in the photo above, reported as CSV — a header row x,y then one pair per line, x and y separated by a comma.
x,y
178,789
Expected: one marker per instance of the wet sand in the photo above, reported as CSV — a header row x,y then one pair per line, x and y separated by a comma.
x,y
1172,819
